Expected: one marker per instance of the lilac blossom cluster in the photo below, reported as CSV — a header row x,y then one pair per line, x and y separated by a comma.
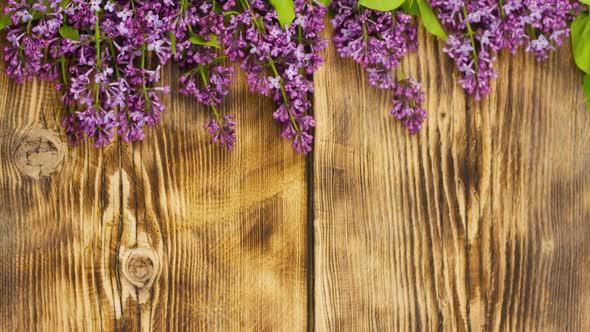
x,y
279,60
478,30
96,51
101,55
198,26
378,41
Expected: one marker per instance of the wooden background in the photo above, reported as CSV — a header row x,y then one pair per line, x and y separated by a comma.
x,y
481,222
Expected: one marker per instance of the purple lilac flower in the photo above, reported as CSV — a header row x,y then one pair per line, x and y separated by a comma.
x,y
28,37
474,39
224,134
540,25
278,60
378,41
480,29
406,104
205,78
104,75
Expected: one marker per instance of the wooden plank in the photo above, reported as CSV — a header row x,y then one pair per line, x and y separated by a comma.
x,y
57,212
390,228
228,228
530,204
173,233
478,223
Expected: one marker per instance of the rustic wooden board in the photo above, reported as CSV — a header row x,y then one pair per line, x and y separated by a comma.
x,y
170,234
481,222
52,259
529,204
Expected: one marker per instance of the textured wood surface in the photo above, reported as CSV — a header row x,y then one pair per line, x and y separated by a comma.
x,y
481,222
170,234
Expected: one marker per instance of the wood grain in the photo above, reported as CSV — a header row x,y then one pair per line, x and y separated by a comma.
x,y
56,254
229,227
390,229
170,234
529,207
478,223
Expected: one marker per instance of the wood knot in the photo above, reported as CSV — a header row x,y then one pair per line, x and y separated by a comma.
x,y
40,153
140,267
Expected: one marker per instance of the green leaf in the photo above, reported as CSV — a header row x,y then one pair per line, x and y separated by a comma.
x,y
581,46
332,13
285,10
328,2
382,5
587,90
69,32
198,40
5,21
585,1
411,7
218,60
37,14
172,37
65,3
430,20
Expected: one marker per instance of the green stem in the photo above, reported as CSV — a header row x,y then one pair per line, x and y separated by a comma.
x,y
64,75
143,56
217,116
300,40
532,32
284,93
113,54
205,80
471,36
118,73
276,73
400,74
501,3
246,5
98,60
143,51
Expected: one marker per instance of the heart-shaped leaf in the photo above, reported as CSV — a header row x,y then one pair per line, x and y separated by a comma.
x,y
5,21
580,37
218,60
430,20
285,10
172,38
69,32
411,7
198,40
